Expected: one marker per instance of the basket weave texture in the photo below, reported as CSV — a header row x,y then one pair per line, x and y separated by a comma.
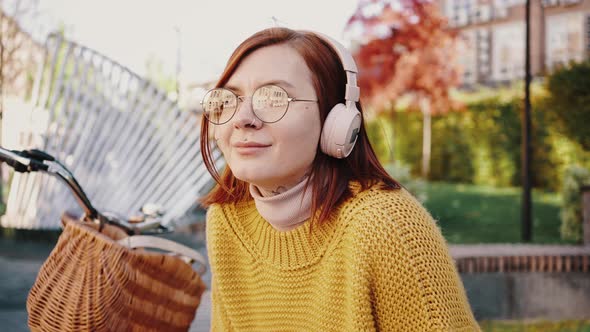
x,y
91,283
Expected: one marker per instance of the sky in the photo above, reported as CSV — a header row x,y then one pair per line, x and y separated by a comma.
x,y
131,31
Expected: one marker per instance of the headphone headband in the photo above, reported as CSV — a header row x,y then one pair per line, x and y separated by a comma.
x,y
352,90
344,55
343,123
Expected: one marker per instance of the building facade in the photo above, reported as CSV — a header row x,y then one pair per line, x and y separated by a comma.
x,y
493,34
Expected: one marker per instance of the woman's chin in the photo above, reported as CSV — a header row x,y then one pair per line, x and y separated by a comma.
x,y
254,176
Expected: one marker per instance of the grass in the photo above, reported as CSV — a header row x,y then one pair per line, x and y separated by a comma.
x,y
540,326
482,214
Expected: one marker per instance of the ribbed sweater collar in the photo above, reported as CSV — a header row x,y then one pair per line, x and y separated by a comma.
x,y
284,249
287,210
292,249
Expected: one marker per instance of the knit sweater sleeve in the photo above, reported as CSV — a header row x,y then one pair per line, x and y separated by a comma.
x,y
414,280
218,319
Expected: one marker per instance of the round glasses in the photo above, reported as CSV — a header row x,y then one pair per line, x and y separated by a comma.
x,y
269,104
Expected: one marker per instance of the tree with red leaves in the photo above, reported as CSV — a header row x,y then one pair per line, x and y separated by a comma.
x,y
405,48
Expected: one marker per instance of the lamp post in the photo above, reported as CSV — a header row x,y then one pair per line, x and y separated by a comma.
x,y
526,218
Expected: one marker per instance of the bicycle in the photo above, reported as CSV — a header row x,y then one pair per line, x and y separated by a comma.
x,y
103,235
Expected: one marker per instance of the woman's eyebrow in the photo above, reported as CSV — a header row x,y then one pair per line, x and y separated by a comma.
x,y
279,82
282,83
233,88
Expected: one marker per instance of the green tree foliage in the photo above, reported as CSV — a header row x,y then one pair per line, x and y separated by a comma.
x,y
570,101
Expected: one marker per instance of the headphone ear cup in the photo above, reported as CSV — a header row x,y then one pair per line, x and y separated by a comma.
x,y
340,131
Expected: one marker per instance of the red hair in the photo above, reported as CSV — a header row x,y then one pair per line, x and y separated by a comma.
x,y
329,176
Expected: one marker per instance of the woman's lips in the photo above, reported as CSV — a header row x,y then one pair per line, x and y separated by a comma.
x,y
250,147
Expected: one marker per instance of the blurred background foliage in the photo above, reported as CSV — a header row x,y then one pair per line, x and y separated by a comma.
x,y
481,145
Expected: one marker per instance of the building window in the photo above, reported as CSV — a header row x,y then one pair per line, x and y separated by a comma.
x,y
550,3
468,56
565,39
483,51
507,51
569,2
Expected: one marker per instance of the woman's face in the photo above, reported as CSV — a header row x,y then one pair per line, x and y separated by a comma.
x,y
279,154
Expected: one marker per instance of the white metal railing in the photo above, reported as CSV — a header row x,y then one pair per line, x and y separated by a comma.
x,y
123,139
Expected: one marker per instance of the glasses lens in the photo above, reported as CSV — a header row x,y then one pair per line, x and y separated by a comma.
x,y
219,105
269,103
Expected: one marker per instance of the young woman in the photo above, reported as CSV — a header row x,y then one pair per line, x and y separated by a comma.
x,y
306,231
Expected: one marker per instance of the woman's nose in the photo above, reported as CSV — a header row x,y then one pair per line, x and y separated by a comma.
x,y
244,117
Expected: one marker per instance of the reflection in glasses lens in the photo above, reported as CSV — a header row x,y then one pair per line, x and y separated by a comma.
x,y
219,105
269,104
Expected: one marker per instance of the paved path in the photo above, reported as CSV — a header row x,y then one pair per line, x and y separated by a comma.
x,y
16,278
14,320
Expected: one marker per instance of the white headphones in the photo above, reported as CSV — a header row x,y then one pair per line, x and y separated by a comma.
x,y
343,123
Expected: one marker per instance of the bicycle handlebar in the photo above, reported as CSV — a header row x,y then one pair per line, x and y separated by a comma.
x,y
36,160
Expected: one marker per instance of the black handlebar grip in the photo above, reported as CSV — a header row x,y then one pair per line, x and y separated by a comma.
x,y
21,168
37,154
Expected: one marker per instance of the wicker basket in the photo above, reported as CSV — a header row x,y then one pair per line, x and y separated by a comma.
x,y
91,283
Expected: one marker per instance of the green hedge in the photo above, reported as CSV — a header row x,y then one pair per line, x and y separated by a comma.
x,y
480,145
571,208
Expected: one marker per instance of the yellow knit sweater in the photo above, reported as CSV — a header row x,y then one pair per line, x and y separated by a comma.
x,y
379,264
